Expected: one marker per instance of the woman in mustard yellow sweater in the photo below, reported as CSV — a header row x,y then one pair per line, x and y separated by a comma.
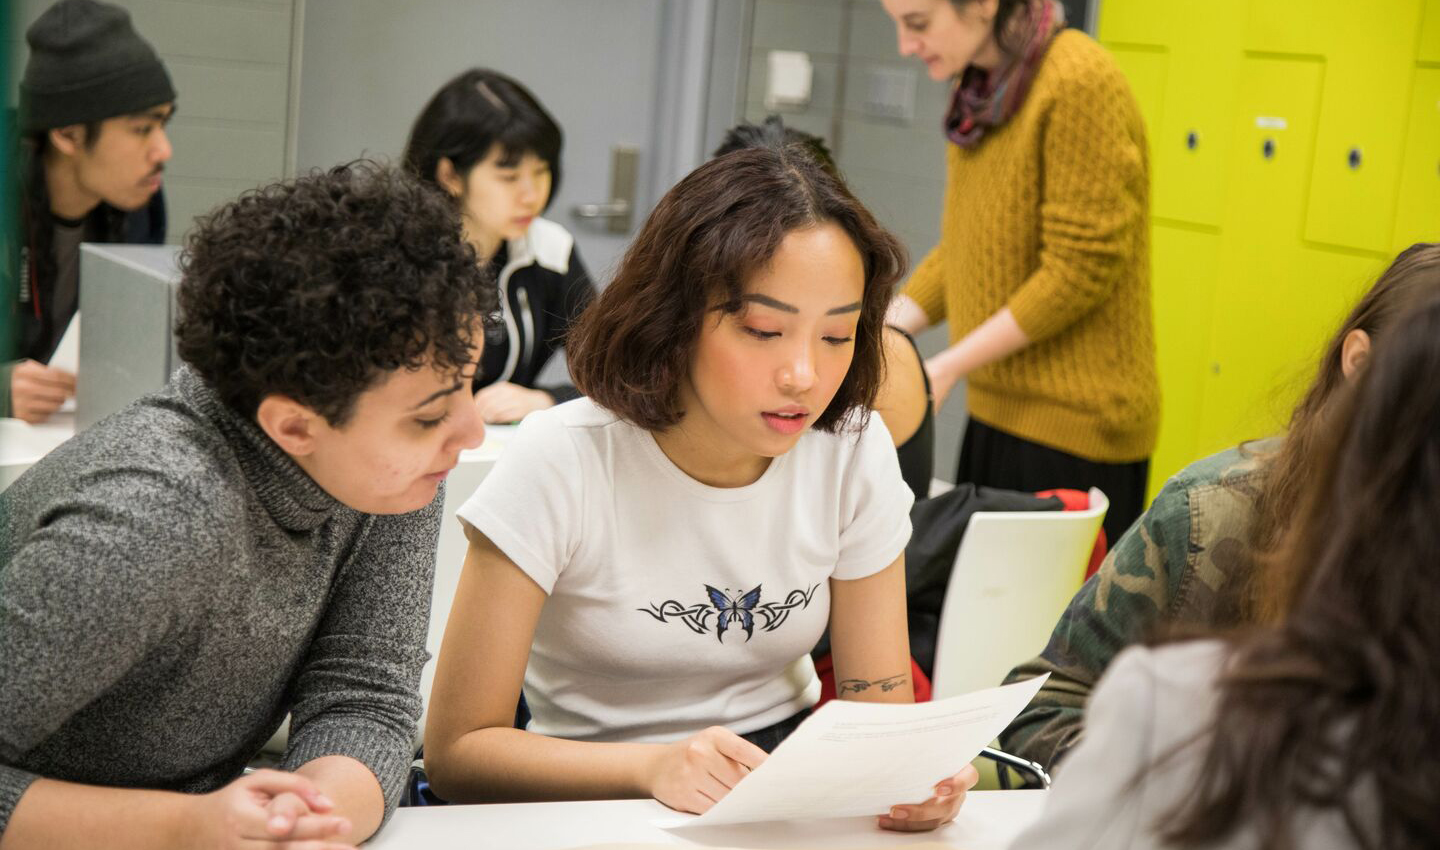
x,y
1043,266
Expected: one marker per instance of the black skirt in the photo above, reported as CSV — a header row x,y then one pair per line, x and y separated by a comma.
x,y
992,458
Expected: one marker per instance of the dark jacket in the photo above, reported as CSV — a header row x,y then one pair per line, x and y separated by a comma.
x,y
939,525
543,289
1179,564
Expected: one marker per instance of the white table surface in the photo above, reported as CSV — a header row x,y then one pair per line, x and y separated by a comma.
x,y
988,821
21,444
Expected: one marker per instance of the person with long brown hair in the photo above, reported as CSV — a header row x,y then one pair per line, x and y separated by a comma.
x,y
655,561
1190,558
1317,728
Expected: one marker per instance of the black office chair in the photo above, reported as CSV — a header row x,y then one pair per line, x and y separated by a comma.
x,y
1005,760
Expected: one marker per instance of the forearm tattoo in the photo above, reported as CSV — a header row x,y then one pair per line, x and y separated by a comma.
x,y
890,683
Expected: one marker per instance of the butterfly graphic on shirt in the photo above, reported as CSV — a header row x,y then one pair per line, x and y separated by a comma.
x,y
738,610
728,609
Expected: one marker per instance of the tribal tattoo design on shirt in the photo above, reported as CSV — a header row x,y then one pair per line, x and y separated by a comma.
x,y
728,610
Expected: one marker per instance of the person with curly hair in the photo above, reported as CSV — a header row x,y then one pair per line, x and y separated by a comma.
x,y
655,561
487,142
254,540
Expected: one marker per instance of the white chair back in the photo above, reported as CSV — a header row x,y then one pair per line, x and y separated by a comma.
x,y
1013,576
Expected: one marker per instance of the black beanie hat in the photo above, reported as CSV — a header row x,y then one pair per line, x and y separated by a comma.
x,y
87,64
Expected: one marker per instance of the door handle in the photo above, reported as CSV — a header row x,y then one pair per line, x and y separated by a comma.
x,y
619,211
613,209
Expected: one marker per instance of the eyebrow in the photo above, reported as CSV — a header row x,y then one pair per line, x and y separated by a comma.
x,y
791,308
437,394
159,113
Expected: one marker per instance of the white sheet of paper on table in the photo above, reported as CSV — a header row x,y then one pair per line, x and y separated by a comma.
x,y
856,758
67,355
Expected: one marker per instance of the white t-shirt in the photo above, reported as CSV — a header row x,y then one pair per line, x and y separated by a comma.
x,y
674,605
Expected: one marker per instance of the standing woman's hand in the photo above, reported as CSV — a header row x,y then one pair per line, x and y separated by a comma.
x,y
942,380
906,314
997,337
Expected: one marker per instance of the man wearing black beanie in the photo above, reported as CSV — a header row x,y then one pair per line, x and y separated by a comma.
x,y
94,102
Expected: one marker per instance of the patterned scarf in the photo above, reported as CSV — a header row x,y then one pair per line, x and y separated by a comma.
x,y
983,100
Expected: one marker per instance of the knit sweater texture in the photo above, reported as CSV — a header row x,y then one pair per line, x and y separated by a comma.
x,y
1049,216
172,584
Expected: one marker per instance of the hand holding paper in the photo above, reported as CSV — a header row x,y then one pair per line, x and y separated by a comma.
x,y
691,773
851,758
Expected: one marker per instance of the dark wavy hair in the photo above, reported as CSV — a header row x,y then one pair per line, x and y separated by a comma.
x,y
633,346
772,133
1345,690
475,112
103,224
317,287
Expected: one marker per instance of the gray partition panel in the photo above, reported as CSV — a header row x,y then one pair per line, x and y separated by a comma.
x,y
127,309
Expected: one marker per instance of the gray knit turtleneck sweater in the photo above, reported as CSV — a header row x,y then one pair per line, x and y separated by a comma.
x,y
171,584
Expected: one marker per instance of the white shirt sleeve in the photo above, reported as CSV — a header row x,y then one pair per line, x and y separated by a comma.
x,y
1093,803
875,505
529,505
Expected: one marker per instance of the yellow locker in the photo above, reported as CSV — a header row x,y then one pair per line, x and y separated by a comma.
x,y
1358,148
1136,21
1192,135
1144,69
1417,217
1430,33
1183,263
1265,308
1279,26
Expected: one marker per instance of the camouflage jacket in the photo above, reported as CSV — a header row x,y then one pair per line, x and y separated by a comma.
x,y
1169,568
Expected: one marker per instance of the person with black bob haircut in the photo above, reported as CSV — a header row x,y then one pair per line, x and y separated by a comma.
x,y
255,539
654,562
489,144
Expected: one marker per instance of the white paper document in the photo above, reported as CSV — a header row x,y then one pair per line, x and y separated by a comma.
x,y
67,353
854,758
67,356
